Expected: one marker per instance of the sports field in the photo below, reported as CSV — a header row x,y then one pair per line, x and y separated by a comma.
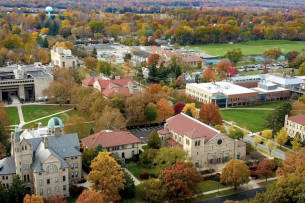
x,y
249,48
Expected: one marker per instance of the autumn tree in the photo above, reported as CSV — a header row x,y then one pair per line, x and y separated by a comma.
x,y
88,196
221,128
181,181
117,102
165,109
91,63
96,26
298,108
104,67
178,107
237,134
55,199
296,145
57,92
223,66
154,88
191,107
107,176
32,199
209,114
257,140
235,173
66,45
154,141
234,55
43,56
267,134
180,81
168,156
281,137
114,30
265,168
184,35
151,191
151,112
209,75
293,162
76,124
153,59
13,41
111,119
135,107
301,70
270,145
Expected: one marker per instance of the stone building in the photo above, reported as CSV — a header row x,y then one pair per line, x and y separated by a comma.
x,y
295,125
121,142
47,160
63,58
207,147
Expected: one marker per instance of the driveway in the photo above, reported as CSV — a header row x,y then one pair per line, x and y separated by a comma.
x,y
143,133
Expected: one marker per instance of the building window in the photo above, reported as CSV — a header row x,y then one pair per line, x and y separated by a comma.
x,y
195,143
40,182
49,190
28,176
64,187
211,161
238,156
48,181
218,160
76,174
132,146
25,147
24,178
196,164
226,159
72,166
2,177
199,143
64,178
41,192
132,153
75,165
56,179
6,177
72,175
56,189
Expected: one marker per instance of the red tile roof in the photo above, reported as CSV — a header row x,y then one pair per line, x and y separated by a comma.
x,y
300,119
169,54
174,143
88,81
163,132
189,59
240,143
190,127
109,139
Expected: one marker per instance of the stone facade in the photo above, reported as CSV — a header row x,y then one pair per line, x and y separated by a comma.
x,y
63,58
295,125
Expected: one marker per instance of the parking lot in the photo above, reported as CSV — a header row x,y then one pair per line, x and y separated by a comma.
x,y
143,133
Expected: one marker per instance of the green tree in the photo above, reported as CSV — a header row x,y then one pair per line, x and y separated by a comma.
x,y
301,70
18,190
221,128
151,191
13,41
184,35
147,157
94,52
96,26
4,194
5,122
104,67
45,43
114,30
168,156
118,103
235,173
129,187
154,141
151,112
234,55
237,134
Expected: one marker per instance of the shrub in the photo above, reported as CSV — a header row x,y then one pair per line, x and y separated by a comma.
x,y
153,175
76,190
253,174
207,171
144,176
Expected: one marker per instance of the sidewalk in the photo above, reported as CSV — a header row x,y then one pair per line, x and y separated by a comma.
x,y
136,181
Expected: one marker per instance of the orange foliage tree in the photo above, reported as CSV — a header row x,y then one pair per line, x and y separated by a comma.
x,y
209,75
154,88
55,199
165,109
181,181
153,59
223,66
90,196
297,108
209,114
264,168
32,199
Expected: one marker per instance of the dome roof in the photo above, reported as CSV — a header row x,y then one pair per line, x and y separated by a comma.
x,y
55,122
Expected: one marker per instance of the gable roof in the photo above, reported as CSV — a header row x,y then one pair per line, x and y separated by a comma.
x,y
7,166
89,81
188,59
300,119
174,53
109,139
142,54
187,126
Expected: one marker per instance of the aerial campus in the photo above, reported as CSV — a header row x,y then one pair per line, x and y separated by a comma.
x,y
152,101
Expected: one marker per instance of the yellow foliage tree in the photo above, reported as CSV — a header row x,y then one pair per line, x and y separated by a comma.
x,y
267,134
107,176
221,128
44,30
257,140
270,145
281,137
296,145
66,45
235,173
191,107
32,199
231,128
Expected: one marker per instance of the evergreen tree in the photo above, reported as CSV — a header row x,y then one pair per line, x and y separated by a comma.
x,y
3,194
129,188
91,131
18,190
189,112
94,52
177,71
45,43
47,24
154,141
152,75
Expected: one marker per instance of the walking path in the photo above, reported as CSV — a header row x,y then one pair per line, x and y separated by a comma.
x,y
136,181
21,122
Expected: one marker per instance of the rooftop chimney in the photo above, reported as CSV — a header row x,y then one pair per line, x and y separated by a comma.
x,y
46,142
39,125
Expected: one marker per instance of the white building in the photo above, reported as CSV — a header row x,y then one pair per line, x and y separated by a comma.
x,y
63,58
295,125
207,147
45,159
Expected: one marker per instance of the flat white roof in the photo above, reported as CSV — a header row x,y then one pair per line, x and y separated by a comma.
x,y
278,89
226,88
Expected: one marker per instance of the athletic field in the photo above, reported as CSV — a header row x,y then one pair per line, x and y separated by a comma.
x,y
249,48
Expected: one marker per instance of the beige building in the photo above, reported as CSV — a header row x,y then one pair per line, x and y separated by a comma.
x,y
63,58
207,147
295,125
45,159
123,143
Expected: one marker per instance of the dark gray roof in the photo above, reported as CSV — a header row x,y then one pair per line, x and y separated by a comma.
x,y
7,166
38,74
143,54
16,136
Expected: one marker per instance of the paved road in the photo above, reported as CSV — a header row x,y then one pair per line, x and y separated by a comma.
x,y
275,152
236,197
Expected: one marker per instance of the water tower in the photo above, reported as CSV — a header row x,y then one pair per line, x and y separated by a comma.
x,y
49,9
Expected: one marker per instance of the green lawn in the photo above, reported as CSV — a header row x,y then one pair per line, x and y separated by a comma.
x,y
32,112
145,147
249,48
252,120
273,105
137,170
213,195
13,114
71,199
208,185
